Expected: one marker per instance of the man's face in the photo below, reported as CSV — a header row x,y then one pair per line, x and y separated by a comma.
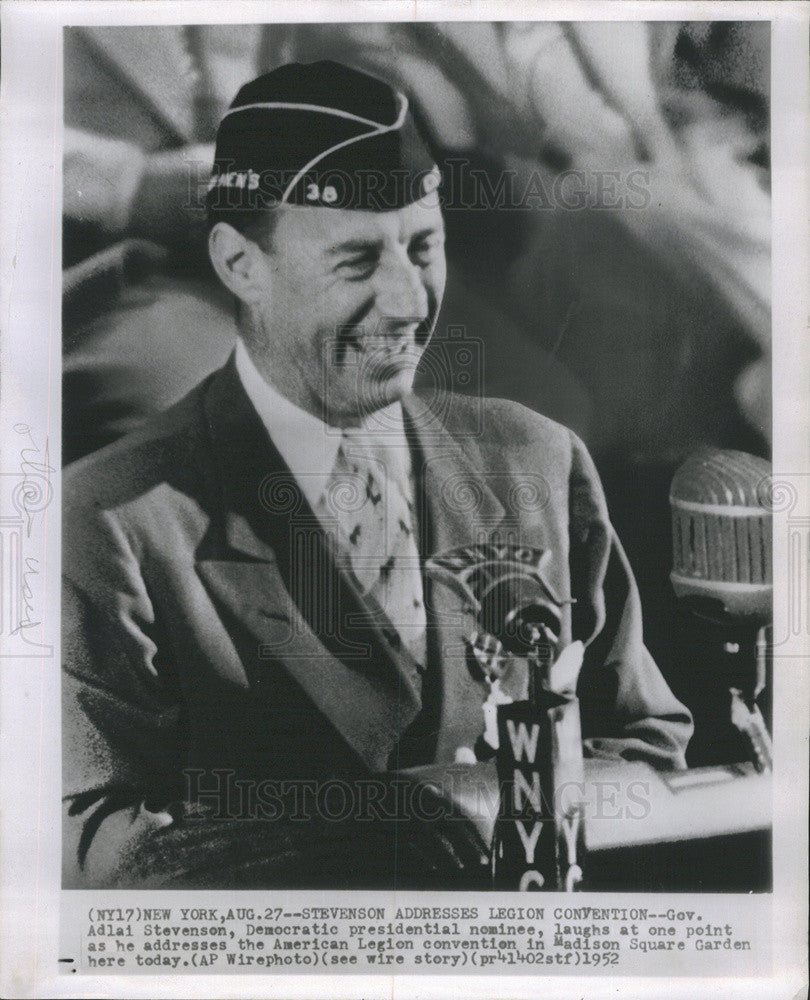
x,y
351,300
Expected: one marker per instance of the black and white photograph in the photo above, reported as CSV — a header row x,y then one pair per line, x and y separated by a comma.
x,y
429,528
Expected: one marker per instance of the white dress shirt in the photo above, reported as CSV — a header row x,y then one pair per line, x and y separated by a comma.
x,y
312,451
309,446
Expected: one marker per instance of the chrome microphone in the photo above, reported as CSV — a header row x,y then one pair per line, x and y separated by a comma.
x,y
723,568
516,609
721,534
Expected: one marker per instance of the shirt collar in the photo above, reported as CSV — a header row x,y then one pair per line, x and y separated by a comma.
x,y
307,444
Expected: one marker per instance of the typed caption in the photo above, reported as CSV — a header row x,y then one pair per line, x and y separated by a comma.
x,y
271,932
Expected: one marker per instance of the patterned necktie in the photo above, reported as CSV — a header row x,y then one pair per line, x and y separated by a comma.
x,y
367,497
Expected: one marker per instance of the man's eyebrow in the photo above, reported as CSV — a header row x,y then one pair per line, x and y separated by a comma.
x,y
359,245
425,233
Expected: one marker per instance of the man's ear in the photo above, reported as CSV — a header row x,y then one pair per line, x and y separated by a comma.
x,y
237,261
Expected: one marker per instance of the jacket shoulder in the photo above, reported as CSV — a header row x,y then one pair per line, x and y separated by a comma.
x,y
502,422
159,452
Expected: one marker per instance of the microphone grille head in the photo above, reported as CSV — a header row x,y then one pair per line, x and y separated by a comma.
x,y
721,532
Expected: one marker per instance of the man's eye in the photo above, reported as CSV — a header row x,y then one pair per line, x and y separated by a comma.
x,y
357,268
425,251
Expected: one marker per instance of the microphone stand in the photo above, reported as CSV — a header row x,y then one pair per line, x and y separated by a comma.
x,y
539,838
750,650
538,841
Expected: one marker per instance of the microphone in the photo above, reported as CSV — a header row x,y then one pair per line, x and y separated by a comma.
x,y
721,535
723,568
516,609
538,841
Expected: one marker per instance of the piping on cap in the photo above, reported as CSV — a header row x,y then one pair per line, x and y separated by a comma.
x,y
378,128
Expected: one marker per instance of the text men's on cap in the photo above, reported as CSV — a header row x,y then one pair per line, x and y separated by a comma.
x,y
319,134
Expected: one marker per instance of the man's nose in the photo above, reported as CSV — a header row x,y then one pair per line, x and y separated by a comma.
x,y
401,293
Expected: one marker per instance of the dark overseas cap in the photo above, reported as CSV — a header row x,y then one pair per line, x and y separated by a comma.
x,y
319,134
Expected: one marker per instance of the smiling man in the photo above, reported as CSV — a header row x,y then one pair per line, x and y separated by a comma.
x,y
338,320
253,654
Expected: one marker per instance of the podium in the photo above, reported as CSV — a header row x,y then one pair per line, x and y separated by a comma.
x,y
707,829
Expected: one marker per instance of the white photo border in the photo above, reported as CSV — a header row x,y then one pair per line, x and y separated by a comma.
x,y
30,215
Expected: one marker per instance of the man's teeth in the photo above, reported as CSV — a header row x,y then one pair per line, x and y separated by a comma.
x,y
382,347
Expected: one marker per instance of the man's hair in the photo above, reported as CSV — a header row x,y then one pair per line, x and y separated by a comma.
x,y
256,224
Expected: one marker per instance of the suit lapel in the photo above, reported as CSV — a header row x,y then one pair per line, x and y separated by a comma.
x,y
454,491
458,507
269,563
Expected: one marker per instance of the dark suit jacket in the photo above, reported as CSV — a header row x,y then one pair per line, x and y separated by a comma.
x,y
210,630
